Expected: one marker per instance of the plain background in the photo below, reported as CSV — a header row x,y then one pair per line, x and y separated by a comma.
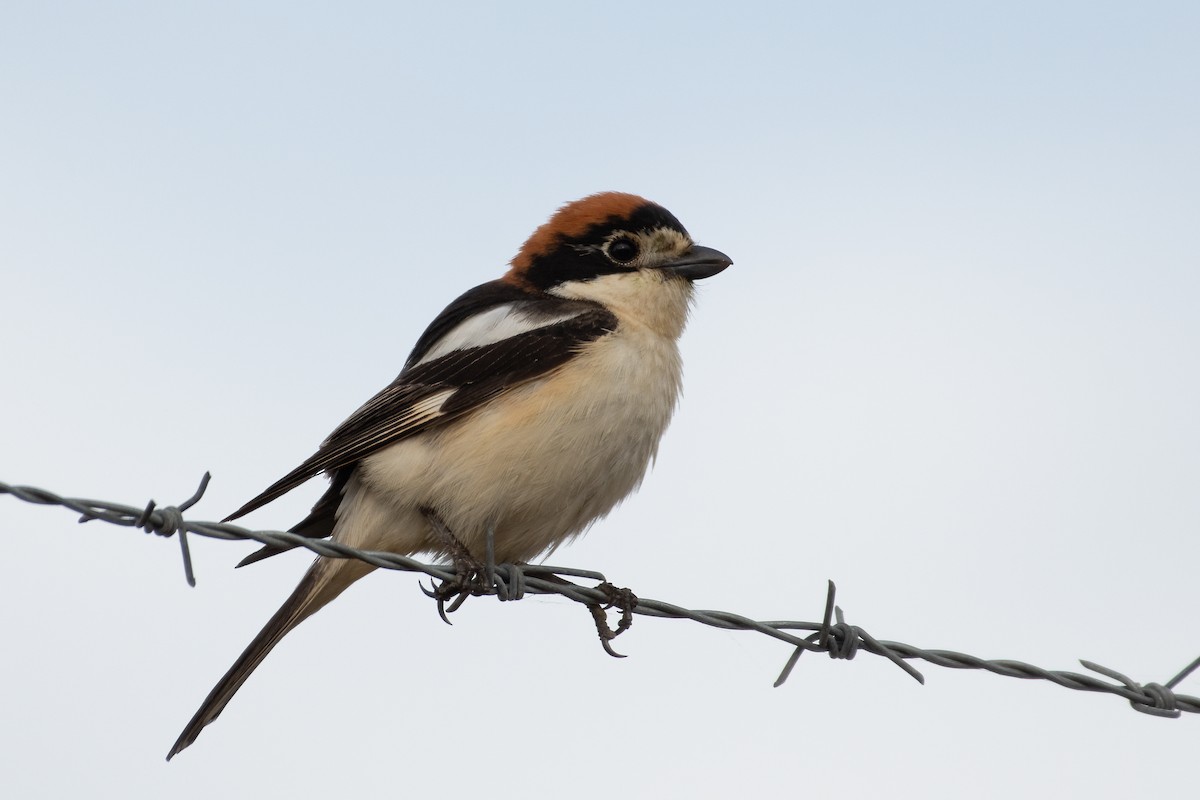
x,y
954,368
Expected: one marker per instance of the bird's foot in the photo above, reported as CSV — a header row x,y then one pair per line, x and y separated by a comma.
x,y
471,576
622,599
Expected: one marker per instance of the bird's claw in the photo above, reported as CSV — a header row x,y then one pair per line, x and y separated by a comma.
x,y
471,577
622,599
468,580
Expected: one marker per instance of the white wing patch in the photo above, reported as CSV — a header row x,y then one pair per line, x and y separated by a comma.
x,y
489,327
423,411
430,407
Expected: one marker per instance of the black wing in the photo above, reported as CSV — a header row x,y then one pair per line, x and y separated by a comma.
x,y
433,393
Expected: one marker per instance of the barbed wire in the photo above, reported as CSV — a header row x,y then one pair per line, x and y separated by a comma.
x,y
512,581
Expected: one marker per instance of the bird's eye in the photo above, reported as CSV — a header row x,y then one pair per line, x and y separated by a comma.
x,y
623,250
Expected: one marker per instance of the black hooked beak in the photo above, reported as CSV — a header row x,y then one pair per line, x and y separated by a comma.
x,y
699,262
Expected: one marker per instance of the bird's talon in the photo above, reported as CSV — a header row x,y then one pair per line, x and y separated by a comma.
x,y
622,599
458,601
608,648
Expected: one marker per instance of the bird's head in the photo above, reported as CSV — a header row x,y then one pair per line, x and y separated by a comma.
x,y
610,234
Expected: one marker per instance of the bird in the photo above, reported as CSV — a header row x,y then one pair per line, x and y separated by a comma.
x,y
528,409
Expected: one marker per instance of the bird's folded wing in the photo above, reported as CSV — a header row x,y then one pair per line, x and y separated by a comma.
x,y
434,391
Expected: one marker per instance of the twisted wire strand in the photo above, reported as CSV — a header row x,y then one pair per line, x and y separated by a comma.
x,y
838,640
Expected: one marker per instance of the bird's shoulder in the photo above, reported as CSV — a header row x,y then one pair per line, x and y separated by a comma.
x,y
500,315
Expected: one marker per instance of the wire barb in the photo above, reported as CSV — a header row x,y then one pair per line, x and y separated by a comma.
x,y
1159,700
843,641
168,521
513,581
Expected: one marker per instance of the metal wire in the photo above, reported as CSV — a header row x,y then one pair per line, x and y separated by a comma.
x,y
837,639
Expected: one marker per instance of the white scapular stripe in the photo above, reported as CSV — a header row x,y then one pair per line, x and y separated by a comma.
x,y
489,327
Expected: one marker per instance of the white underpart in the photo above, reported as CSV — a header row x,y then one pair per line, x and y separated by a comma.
x,y
494,325
544,460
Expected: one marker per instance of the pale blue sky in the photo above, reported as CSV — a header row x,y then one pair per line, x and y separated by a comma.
x,y
954,368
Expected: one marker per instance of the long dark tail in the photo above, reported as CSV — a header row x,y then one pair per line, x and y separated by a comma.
x,y
324,581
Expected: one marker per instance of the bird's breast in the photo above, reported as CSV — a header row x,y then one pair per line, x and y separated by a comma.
x,y
545,459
